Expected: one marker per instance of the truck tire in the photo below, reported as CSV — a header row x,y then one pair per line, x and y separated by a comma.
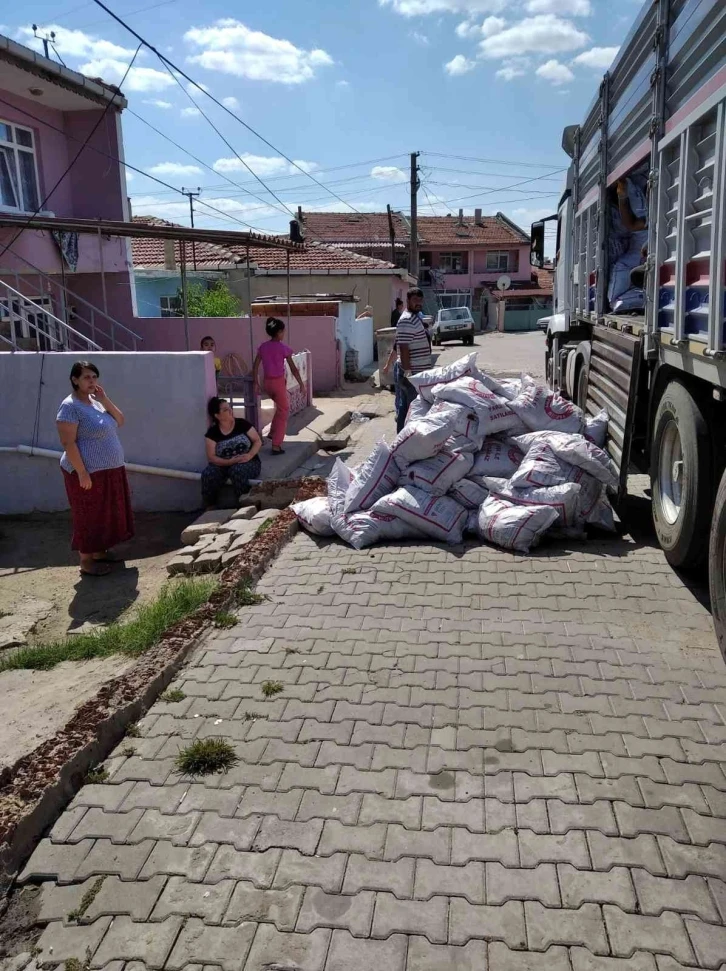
x,y
581,388
680,476
717,566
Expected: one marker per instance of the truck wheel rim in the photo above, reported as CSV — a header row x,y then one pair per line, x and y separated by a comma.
x,y
670,473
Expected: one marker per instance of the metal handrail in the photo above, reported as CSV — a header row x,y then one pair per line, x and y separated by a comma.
x,y
92,345
75,297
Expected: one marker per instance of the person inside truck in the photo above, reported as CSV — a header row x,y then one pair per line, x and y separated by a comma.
x,y
627,238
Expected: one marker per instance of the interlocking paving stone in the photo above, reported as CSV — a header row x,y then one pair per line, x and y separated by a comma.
x,y
630,932
364,874
149,943
272,948
505,923
348,953
226,947
60,942
584,925
465,739
689,896
585,886
424,956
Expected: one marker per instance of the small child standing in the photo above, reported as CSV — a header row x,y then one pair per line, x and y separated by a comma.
x,y
272,355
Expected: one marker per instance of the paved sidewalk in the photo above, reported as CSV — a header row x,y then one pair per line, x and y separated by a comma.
x,y
478,760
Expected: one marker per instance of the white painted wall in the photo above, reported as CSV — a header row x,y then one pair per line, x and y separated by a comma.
x,y
163,397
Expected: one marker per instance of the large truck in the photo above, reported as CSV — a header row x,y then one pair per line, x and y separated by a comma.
x,y
654,136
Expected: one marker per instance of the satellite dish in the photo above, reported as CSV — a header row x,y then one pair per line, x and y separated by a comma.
x,y
504,282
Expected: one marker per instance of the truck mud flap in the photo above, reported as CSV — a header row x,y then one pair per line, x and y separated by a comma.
x,y
612,384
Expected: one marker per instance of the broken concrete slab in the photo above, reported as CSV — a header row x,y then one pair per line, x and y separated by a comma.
x,y
23,616
207,562
265,514
208,522
245,512
179,564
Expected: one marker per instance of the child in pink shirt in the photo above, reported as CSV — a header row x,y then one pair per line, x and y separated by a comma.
x,y
272,355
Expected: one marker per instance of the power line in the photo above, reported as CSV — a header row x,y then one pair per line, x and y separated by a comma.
x,y
75,158
485,188
486,161
229,144
232,114
487,175
197,159
127,165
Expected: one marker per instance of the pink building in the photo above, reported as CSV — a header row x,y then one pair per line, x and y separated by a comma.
x,y
60,146
460,257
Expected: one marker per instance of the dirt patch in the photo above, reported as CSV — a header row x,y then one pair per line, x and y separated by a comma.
x,y
36,559
36,704
42,783
19,930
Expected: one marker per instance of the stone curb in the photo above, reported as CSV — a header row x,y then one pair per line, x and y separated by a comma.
x,y
35,790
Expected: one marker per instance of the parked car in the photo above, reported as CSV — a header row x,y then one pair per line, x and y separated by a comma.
x,y
453,324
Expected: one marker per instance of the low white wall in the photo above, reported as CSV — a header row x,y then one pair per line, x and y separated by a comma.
x,y
162,395
355,334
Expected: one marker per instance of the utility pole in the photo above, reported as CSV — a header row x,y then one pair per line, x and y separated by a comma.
x,y
192,194
392,234
413,249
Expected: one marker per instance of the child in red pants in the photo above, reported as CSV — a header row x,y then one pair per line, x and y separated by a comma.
x,y
272,355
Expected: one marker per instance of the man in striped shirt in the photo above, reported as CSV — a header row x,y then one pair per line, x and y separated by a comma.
x,y
414,352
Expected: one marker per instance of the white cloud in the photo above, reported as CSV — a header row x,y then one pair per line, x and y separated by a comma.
x,y
178,169
178,211
419,38
190,112
194,88
517,67
597,57
138,78
388,173
232,48
422,8
232,103
555,72
130,176
492,26
262,165
545,34
342,84
156,103
459,65
574,8
76,43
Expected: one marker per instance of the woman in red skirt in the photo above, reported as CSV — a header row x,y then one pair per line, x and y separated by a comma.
x,y
93,470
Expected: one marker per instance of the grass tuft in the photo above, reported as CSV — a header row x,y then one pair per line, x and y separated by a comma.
x,y
245,597
263,527
350,569
224,619
128,751
133,731
173,694
271,688
88,897
132,637
205,756
97,776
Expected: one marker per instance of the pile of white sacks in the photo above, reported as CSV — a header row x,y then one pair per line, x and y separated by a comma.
x,y
507,460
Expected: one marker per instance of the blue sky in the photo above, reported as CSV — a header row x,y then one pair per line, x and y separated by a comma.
x,y
347,89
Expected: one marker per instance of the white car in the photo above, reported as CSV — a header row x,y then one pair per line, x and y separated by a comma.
x,y
453,324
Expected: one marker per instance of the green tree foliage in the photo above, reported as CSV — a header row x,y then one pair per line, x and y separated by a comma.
x,y
214,301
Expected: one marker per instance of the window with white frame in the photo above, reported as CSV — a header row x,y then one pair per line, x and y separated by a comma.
x,y
497,262
18,169
452,262
170,306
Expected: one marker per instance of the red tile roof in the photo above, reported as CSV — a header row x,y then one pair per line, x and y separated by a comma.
x,y
372,228
150,254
